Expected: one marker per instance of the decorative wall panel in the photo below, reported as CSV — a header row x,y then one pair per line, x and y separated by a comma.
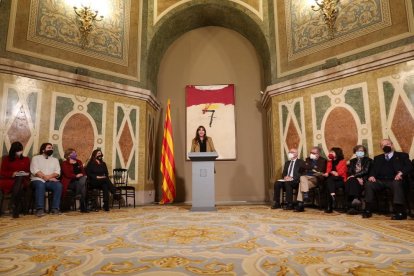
x,y
150,147
77,122
396,97
163,7
307,32
270,141
304,41
20,116
292,127
341,118
125,141
49,30
53,23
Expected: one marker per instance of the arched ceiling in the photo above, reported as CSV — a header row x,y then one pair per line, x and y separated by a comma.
x,y
202,15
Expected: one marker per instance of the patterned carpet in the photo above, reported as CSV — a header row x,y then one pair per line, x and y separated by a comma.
x,y
235,240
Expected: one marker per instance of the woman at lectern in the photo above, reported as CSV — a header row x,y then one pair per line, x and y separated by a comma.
x,y
201,142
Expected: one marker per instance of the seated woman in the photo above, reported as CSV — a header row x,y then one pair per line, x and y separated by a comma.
x,y
201,142
336,175
74,177
358,170
15,170
98,176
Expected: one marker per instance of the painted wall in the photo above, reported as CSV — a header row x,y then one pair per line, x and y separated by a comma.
x,y
214,55
361,109
36,111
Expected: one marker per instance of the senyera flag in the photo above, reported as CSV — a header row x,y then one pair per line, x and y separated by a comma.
x,y
167,160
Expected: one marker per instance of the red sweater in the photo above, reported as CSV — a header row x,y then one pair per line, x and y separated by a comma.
x,y
341,168
8,168
68,174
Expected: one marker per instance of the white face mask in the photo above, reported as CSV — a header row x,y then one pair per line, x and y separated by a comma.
x,y
290,156
360,154
312,156
19,153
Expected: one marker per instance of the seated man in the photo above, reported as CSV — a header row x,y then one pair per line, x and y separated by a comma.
x,y
314,167
45,170
291,174
388,171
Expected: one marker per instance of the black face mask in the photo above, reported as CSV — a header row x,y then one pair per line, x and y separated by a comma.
x,y
49,152
386,149
99,157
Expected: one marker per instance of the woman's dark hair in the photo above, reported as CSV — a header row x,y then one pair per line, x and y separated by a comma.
x,y
93,155
197,137
357,147
338,152
43,147
15,147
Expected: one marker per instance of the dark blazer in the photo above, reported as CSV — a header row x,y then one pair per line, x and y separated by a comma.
x,y
366,164
297,169
320,166
400,162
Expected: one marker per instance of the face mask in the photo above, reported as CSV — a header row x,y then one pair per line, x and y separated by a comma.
x,y
386,149
290,156
49,152
73,156
331,156
99,157
312,156
360,154
19,153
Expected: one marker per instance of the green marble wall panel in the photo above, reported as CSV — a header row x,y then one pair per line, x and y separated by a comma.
x,y
396,98
73,126
18,116
126,138
293,135
341,118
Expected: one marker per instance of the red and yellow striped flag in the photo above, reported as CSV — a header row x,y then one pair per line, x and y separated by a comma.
x,y
167,160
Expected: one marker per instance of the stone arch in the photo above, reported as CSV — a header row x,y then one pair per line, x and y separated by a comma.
x,y
203,15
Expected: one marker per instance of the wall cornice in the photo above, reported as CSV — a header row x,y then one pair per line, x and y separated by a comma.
x,y
377,61
9,66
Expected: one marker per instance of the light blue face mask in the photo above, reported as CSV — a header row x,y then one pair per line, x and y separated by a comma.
x,y
360,154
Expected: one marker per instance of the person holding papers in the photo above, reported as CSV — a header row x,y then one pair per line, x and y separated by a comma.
x,y
290,180
15,175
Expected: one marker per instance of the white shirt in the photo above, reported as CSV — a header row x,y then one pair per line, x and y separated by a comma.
x,y
45,165
291,167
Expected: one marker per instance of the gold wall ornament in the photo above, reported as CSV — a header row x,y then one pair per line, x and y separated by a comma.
x,y
329,10
86,19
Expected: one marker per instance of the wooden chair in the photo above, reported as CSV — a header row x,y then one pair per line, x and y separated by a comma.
x,y
120,178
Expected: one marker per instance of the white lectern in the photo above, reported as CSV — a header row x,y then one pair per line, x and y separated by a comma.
x,y
203,181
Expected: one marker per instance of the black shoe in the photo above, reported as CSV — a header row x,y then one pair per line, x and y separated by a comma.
x,y
366,214
84,211
275,206
299,207
399,216
352,211
328,210
288,206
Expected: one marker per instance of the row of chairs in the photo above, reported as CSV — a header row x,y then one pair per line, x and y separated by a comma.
x,y
317,198
94,196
